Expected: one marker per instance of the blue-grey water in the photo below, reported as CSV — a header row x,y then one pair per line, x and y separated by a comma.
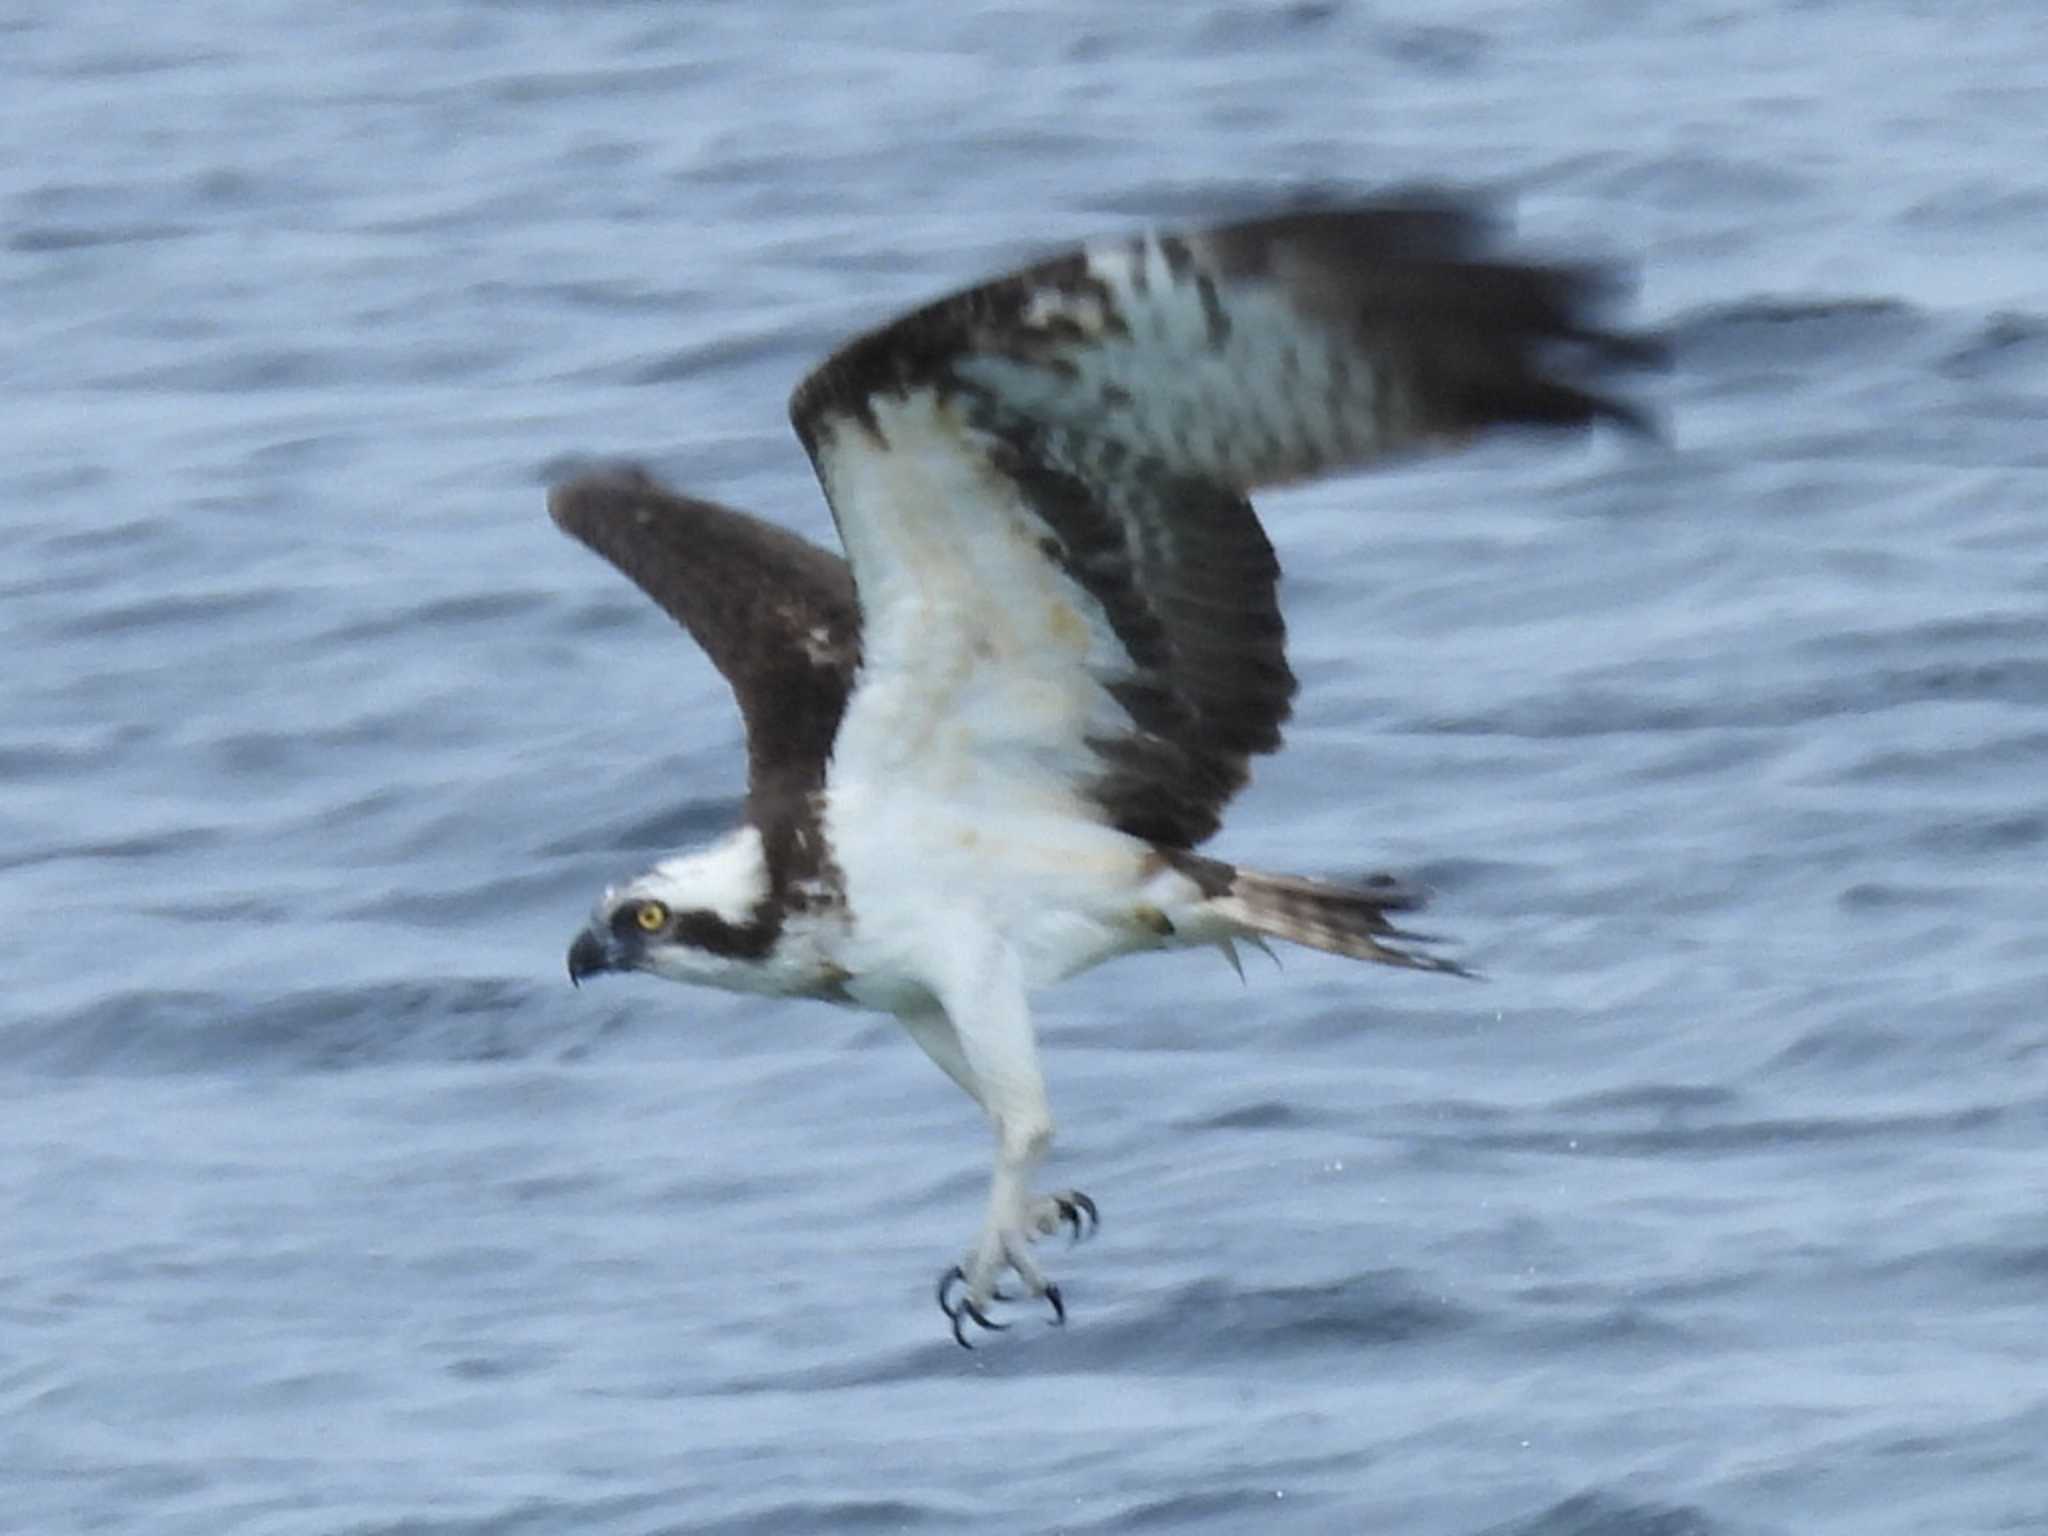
x,y
325,1204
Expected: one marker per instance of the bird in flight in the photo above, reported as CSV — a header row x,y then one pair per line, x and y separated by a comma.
x,y
983,748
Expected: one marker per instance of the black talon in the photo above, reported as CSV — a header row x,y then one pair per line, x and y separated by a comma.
x,y
1073,1206
1059,1306
969,1309
959,1313
946,1284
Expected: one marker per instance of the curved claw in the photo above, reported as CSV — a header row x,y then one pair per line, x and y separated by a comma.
x,y
969,1309
1059,1306
960,1313
1073,1207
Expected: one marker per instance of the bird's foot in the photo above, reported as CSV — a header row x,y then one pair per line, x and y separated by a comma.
x,y
967,1290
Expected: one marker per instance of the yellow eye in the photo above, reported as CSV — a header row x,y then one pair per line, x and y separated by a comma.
x,y
652,916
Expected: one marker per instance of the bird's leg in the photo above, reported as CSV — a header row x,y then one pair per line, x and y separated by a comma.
x,y
997,1061
1069,1209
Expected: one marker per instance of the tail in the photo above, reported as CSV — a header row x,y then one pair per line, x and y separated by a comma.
x,y
1340,919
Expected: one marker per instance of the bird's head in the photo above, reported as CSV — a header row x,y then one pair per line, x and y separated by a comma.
x,y
701,918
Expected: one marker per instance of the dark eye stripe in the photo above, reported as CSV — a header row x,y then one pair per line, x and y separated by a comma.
x,y
699,930
733,941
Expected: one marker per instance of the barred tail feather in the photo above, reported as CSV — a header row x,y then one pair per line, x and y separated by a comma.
x,y
1340,919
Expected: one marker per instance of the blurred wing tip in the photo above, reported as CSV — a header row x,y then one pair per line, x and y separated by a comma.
x,y
581,489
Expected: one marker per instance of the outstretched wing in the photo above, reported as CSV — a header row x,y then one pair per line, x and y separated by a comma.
x,y
1041,482
775,613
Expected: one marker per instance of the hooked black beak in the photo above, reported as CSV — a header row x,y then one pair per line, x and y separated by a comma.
x,y
589,955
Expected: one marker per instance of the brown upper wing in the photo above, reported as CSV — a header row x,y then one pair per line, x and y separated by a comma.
x,y
775,613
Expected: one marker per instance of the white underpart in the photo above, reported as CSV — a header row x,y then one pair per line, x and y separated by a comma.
x,y
957,780
982,659
975,869
729,878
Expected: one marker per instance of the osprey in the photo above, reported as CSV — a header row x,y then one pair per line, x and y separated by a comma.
x,y
983,748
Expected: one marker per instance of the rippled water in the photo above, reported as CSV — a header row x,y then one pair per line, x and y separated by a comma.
x,y
329,1207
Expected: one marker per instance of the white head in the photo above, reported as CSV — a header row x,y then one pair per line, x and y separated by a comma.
x,y
701,917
